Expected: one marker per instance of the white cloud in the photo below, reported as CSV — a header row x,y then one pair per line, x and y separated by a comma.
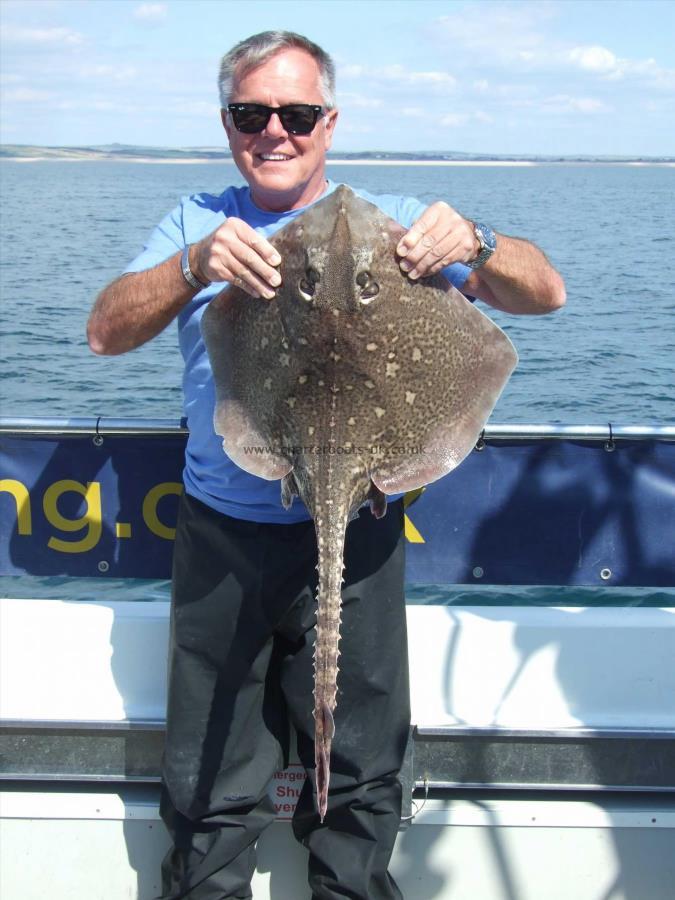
x,y
436,82
455,120
349,98
44,36
567,103
26,95
647,70
601,61
351,71
593,59
104,105
437,78
201,109
508,92
109,72
347,127
520,40
497,30
588,104
151,13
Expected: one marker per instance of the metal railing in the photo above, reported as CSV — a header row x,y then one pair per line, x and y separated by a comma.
x,y
143,426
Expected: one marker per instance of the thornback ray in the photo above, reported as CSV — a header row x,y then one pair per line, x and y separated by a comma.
x,y
352,383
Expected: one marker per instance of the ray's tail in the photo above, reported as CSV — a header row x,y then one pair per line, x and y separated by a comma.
x,y
330,534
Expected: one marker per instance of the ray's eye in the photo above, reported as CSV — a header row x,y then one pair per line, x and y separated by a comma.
x,y
369,288
307,285
306,288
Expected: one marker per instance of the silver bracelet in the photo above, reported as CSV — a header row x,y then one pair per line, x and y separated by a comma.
x,y
187,272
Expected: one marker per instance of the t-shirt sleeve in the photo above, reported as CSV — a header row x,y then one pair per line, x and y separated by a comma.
x,y
165,240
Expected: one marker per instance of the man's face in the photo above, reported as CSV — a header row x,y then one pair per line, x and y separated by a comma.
x,y
285,171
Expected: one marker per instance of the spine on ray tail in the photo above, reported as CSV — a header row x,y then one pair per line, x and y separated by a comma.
x,y
330,520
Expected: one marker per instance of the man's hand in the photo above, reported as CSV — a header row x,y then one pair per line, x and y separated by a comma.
x,y
438,238
238,254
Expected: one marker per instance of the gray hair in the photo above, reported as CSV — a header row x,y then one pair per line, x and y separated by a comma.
x,y
254,51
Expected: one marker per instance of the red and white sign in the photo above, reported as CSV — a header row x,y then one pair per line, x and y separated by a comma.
x,y
284,790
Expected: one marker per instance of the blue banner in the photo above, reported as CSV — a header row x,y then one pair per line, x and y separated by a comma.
x,y
540,511
89,505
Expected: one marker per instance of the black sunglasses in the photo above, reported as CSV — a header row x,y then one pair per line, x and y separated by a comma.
x,y
297,118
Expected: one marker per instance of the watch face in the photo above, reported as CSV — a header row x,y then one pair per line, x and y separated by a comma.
x,y
487,236
488,244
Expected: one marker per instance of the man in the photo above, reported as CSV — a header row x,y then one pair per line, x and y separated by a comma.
x,y
244,579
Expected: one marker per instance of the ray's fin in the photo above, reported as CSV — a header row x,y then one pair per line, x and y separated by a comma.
x,y
378,501
289,490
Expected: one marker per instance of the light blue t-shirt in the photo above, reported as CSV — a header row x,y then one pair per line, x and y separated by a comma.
x,y
209,474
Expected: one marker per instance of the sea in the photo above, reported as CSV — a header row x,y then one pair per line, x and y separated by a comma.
x,y
68,228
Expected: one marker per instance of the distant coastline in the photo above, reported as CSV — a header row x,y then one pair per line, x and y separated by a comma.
x,y
197,155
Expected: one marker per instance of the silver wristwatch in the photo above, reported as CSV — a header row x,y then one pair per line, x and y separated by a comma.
x,y
187,272
488,244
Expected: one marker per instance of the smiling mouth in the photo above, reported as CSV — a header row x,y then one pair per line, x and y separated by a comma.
x,y
274,157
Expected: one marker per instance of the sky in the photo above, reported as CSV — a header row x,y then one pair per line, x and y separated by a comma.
x,y
481,76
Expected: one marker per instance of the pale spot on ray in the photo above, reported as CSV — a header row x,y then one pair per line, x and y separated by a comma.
x,y
284,359
416,354
302,379
392,368
264,342
379,412
310,430
291,402
369,384
410,397
351,421
371,346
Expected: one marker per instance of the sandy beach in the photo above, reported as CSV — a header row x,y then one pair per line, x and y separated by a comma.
x,y
200,160
197,160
